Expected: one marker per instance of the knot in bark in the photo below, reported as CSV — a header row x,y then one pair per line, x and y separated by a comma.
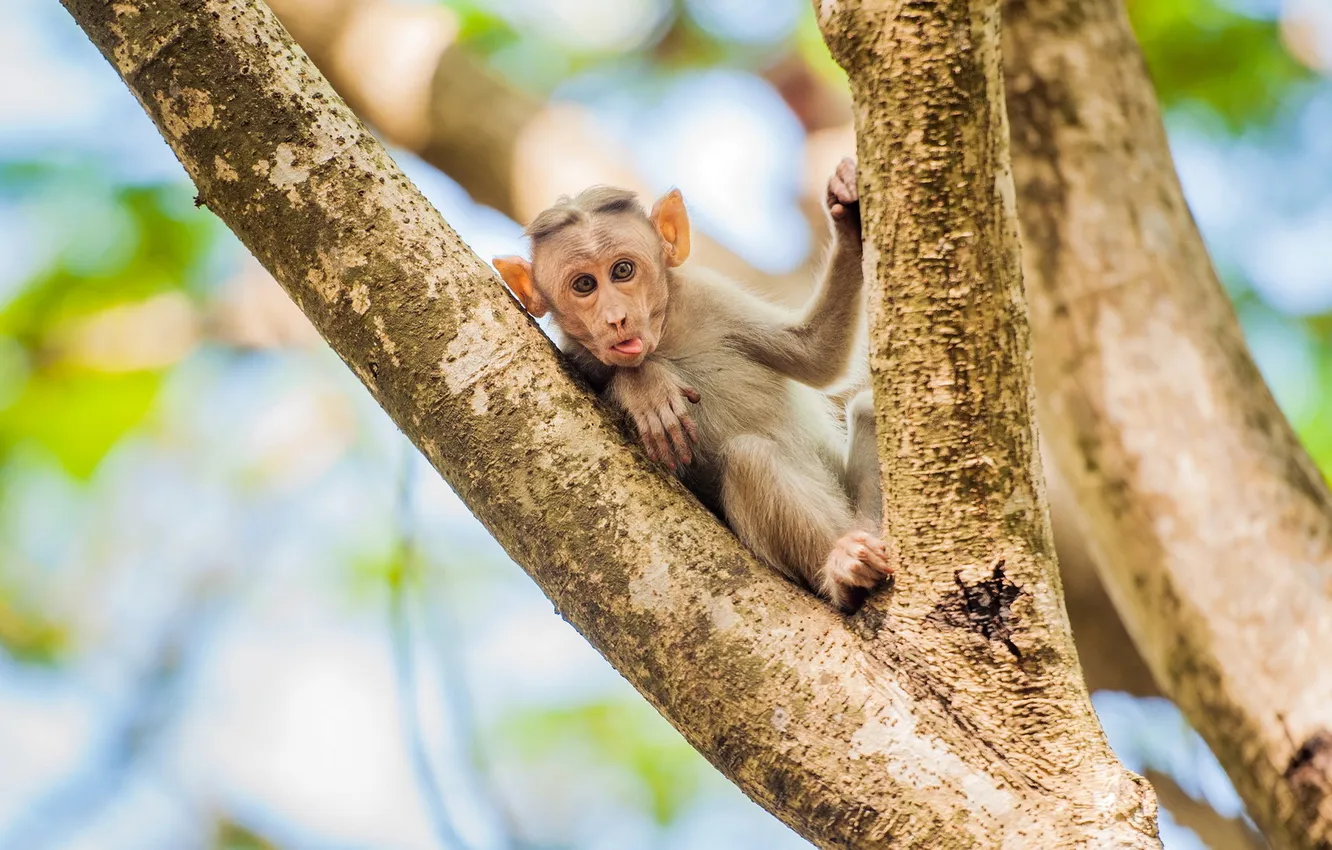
x,y
985,607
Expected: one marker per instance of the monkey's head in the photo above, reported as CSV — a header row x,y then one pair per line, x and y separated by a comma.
x,y
600,269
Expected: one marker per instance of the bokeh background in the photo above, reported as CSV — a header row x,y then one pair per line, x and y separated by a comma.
x,y
236,608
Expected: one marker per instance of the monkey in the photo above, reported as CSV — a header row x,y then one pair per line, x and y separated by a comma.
x,y
724,388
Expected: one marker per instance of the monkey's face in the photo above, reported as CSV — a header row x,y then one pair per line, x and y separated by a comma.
x,y
606,287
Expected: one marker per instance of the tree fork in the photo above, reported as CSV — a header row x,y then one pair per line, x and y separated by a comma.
x,y
847,735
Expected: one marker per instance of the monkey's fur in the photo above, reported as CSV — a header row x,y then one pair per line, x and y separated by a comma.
x,y
723,386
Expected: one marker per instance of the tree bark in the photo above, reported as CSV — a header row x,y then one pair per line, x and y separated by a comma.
x,y
1106,653
845,731
977,603
399,67
1211,526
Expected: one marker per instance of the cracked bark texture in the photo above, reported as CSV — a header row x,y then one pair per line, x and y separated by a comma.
x,y
844,733
1211,526
977,609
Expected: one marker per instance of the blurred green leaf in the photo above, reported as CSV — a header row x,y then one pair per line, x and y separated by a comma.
x,y
77,414
370,573
1315,432
22,177
29,636
234,836
624,733
144,241
1199,51
480,29
113,245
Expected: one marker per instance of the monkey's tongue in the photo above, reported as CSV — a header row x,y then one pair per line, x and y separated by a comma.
x,y
629,346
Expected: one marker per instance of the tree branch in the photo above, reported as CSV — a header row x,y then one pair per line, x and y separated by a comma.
x,y
399,67
978,604
1211,526
1106,653
1216,831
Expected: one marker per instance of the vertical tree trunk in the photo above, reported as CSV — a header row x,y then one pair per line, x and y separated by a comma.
x,y
1212,528
977,602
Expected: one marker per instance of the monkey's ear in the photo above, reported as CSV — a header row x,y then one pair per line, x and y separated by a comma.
x,y
517,274
672,222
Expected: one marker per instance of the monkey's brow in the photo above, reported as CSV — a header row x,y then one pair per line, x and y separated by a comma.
x,y
552,221
617,204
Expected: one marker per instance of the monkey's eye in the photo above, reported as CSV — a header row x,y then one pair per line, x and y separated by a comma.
x,y
584,284
623,270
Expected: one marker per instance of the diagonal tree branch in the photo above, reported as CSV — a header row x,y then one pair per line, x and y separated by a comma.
x,y
1105,651
870,732
400,68
1216,831
1211,526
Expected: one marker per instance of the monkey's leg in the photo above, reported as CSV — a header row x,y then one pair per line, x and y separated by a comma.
x,y
862,462
796,517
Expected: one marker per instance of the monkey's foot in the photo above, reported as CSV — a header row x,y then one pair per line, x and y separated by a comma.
x,y
857,562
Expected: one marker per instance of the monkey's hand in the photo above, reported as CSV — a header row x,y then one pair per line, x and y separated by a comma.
x,y
655,400
843,201
857,563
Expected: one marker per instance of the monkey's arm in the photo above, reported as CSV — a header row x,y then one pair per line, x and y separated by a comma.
x,y
651,395
816,348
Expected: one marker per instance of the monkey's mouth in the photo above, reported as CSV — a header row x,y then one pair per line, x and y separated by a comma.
x,y
629,347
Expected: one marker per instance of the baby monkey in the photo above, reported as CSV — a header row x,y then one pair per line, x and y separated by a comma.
x,y
723,386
